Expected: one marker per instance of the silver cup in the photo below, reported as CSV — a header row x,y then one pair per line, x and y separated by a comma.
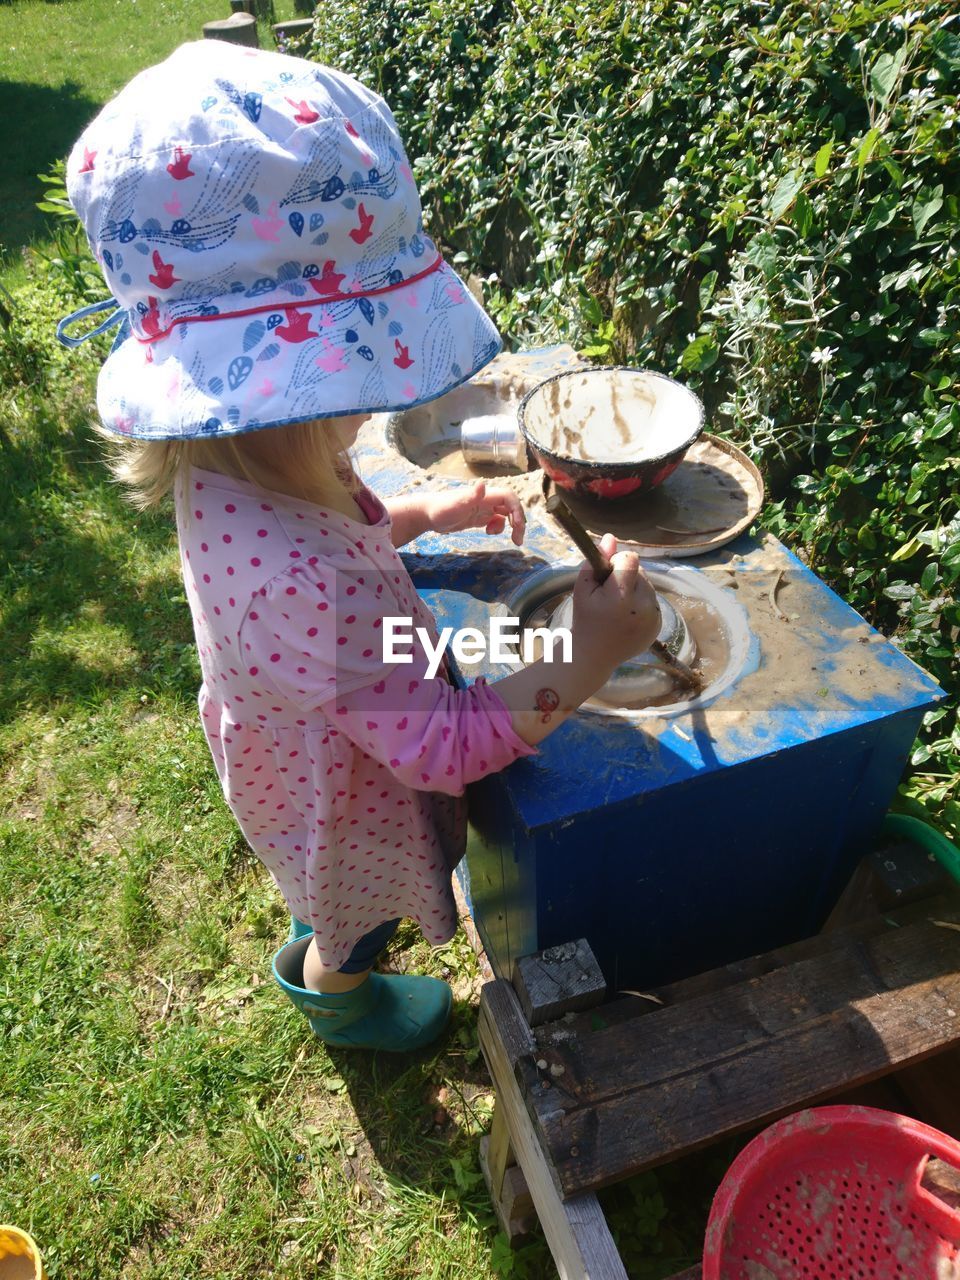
x,y
494,439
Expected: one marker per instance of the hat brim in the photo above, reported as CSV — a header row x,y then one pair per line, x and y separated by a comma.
x,y
298,361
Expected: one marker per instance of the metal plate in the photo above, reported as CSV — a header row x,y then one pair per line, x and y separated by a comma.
x,y
712,497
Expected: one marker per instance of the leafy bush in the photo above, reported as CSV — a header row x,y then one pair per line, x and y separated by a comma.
x,y
68,258
760,198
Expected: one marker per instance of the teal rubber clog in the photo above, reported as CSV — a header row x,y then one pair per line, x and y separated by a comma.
x,y
392,1012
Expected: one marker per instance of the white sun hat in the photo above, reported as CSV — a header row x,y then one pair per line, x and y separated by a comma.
x,y
260,230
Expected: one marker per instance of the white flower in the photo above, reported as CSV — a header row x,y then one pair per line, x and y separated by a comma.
x,y
822,355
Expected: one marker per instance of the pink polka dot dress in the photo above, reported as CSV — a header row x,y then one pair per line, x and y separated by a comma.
x,y
345,773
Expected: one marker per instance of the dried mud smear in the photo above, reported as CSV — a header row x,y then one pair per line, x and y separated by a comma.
x,y
443,460
589,434
804,667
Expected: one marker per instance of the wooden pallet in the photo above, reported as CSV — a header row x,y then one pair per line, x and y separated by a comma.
x,y
595,1095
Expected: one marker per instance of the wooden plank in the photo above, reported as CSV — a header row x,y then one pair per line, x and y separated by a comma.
x,y
904,873
943,1181
701,1032
625,1099
623,1008
512,1201
707,986
662,1116
557,980
576,1230
499,1154
891,877
500,1002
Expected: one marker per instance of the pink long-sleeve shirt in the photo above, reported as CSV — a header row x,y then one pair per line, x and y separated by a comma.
x,y
339,767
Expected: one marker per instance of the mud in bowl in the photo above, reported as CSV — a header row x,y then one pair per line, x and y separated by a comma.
x,y
610,433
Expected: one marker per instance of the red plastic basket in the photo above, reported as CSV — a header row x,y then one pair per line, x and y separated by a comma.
x,y
834,1193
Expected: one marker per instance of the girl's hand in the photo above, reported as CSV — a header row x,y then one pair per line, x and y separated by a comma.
x,y
612,621
617,619
478,508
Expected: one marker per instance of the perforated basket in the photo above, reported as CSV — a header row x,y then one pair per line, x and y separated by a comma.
x,y
837,1193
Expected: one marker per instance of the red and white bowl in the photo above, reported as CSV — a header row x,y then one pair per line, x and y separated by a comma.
x,y
610,433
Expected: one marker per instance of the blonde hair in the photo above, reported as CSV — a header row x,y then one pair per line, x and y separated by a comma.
x,y
303,459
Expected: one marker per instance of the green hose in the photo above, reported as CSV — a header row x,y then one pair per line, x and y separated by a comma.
x,y
929,838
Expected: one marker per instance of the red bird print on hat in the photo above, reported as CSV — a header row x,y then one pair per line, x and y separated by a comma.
x,y
305,113
297,328
151,321
164,278
362,232
329,282
88,159
180,167
350,129
402,358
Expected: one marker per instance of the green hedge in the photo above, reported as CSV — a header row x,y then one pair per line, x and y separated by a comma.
x,y
762,198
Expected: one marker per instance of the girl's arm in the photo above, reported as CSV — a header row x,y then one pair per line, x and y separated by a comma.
x,y
434,737
452,510
611,621
314,634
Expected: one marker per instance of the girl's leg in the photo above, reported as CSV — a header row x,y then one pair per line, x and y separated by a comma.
x,y
316,977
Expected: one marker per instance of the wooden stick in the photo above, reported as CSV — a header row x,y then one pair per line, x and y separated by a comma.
x,y
602,568
686,675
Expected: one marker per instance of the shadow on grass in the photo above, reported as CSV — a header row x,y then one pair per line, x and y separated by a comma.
x,y
48,121
389,1094
657,1218
72,555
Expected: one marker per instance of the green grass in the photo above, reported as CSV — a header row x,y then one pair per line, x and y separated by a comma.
x,y
59,63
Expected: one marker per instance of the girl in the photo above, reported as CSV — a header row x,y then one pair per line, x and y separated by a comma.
x,y
258,223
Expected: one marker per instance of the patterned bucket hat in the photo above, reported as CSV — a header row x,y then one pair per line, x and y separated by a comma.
x,y
259,227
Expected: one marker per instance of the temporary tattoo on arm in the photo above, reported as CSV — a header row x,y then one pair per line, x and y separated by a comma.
x,y
547,701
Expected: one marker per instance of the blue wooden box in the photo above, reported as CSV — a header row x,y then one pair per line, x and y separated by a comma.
x,y
679,844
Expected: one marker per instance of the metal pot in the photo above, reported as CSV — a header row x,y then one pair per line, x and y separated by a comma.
x,y
534,600
641,677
